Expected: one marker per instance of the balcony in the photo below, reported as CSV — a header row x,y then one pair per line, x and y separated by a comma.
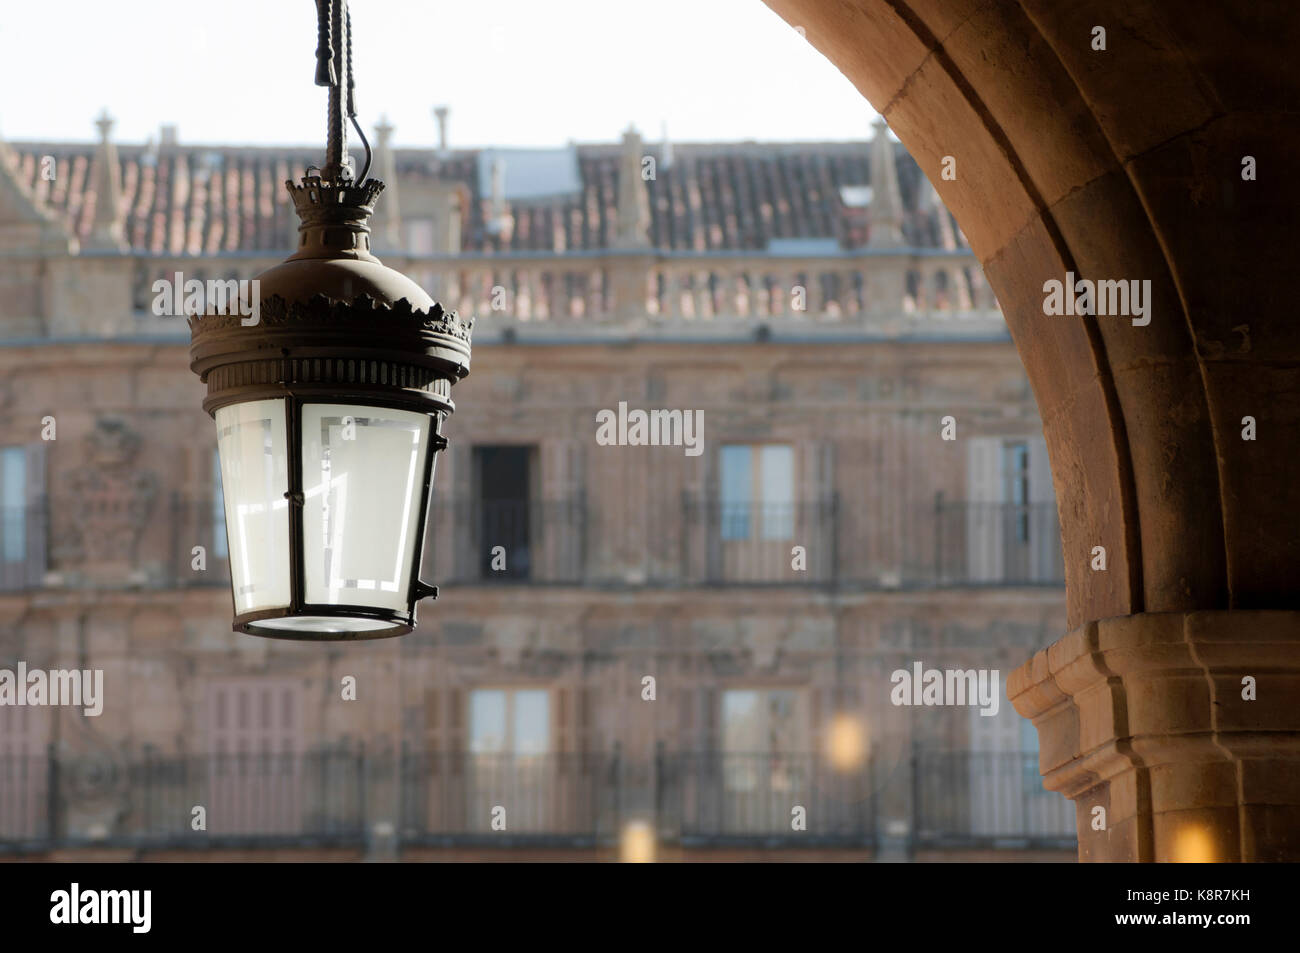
x,y
726,543
558,542
264,798
988,799
886,291
507,541
449,797
23,534
716,798
338,797
716,543
997,544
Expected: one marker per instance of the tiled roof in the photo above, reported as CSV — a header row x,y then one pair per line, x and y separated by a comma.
x,y
200,200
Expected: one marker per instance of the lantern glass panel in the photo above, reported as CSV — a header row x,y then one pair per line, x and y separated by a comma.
x,y
363,472
252,444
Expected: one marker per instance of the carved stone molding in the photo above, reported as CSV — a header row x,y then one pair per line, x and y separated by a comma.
x,y
1176,735
104,502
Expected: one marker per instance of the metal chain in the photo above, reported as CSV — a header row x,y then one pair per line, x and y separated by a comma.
x,y
336,144
324,44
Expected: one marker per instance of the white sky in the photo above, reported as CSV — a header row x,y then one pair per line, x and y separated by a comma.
x,y
514,72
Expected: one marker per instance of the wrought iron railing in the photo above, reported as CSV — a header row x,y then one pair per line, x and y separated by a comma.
x,y
997,544
25,785
727,796
824,543
23,536
341,796
744,543
507,541
987,797
464,794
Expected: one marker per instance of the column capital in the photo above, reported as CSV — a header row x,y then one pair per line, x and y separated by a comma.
x,y
1182,726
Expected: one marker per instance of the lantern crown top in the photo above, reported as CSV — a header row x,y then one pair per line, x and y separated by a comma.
x,y
319,200
334,215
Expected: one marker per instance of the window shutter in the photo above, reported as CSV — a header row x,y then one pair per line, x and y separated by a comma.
x,y
455,737
432,721
37,510
450,551
983,509
254,730
1044,528
562,469
686,736
563,722
1040,472
815,519
701,505
23,776
821,710
588,742
709,740
995,770
559,517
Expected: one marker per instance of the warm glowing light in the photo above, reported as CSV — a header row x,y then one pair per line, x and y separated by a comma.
x,y
638,843
846,742
1192,845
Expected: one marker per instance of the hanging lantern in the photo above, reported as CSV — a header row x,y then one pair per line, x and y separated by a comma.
x,y
330,408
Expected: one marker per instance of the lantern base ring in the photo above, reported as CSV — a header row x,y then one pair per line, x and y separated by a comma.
x,y
330,623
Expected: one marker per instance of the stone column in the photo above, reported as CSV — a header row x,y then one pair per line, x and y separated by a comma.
x,y
1183,728
701,295
886,286
672,297
816,292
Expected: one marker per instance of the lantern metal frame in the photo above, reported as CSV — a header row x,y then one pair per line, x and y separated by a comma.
x,y
399,622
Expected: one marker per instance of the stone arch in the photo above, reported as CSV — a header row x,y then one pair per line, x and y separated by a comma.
x,y
1127,163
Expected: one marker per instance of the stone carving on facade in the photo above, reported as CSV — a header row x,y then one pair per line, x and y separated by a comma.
x,y
764,638
94,790
512,637
105,501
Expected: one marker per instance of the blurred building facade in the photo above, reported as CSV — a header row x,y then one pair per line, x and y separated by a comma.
x,y
628,637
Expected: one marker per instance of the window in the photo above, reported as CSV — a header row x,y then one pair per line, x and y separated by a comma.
x,y
1004,793
1031,781
253,715
13,504
254,727
22,516
762,731
24,771
509,721
505,521
1015,488
760,721
509,760
757,492
1011,533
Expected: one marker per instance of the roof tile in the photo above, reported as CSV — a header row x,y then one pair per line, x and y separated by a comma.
x,y
202,200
